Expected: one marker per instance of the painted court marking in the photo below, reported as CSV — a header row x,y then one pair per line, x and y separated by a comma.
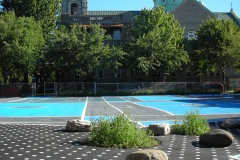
x,y
171,105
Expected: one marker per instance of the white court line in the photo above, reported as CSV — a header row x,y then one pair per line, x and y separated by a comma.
x,y
148,106
121,111
84,110
22,99
128,106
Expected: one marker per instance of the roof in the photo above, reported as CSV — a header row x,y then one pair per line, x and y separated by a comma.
x,y
227,15
96,13
105,12
194,1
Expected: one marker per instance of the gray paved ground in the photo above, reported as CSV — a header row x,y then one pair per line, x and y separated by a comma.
x,y
43,142
47,138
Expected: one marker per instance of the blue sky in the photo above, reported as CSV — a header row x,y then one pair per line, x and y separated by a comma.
x,y
212,5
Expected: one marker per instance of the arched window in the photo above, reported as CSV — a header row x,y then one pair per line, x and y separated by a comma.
x,y
191,35
74,9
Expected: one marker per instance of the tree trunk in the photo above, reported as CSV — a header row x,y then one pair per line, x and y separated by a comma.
x,y
26,77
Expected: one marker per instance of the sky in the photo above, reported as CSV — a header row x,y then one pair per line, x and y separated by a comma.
x,y
122,5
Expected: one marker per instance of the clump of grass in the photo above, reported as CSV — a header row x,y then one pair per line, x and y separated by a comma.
x,y
192,124
119,132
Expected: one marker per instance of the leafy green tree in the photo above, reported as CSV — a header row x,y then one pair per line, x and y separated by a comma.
x,y
44,11
82,50
20,39
156,43
218,46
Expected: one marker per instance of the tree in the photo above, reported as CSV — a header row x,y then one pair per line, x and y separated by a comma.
x,y
44,11
218,46
20,39
82,49
157,42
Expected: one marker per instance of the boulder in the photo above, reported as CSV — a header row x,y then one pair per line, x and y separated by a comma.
x,y
231,123
77,125
216,138
159,129
150,154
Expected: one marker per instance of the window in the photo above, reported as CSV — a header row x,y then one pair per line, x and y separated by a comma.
x,y
158,74
74,9
173,74
100,74
118,73
188,72
99,18
76,75
217,73
191,35
211,74
92,18
116,18
116,35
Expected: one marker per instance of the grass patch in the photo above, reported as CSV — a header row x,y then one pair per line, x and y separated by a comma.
x,y
119,132
192,124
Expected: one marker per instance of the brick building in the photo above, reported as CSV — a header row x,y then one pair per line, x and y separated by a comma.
x,y
189,13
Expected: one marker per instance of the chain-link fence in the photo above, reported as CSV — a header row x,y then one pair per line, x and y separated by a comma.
x,y
118,89
234,86
17,89
138,88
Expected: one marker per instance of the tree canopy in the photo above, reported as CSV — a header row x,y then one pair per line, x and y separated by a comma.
x,y
20,38
82,49
44,11
218,46
156,43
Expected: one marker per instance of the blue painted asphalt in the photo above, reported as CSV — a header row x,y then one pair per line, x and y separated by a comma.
x,y
177,105
41,109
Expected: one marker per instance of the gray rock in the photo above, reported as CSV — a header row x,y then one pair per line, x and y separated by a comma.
x,y
216,138
78,125
159,129
150,154
231,123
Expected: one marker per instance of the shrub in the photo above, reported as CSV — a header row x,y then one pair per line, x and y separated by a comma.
x,y
192,124
119,132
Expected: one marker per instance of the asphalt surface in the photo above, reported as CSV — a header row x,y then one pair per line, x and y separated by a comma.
x,y
43,138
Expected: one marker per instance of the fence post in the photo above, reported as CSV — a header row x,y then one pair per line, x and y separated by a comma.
x,y
185,88
166,87
55,86
95,90
234,85
117,89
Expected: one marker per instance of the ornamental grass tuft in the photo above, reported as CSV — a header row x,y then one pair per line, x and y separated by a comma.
x,y
192,124
119,132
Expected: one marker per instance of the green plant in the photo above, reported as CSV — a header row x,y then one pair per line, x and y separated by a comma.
x,y
192,124
119,132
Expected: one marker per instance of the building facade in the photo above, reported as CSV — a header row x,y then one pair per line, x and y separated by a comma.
x,y
189,13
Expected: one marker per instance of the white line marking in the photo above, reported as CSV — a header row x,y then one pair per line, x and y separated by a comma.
x,y
122,112
149,107
84,110
112,105
22,99
128,106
